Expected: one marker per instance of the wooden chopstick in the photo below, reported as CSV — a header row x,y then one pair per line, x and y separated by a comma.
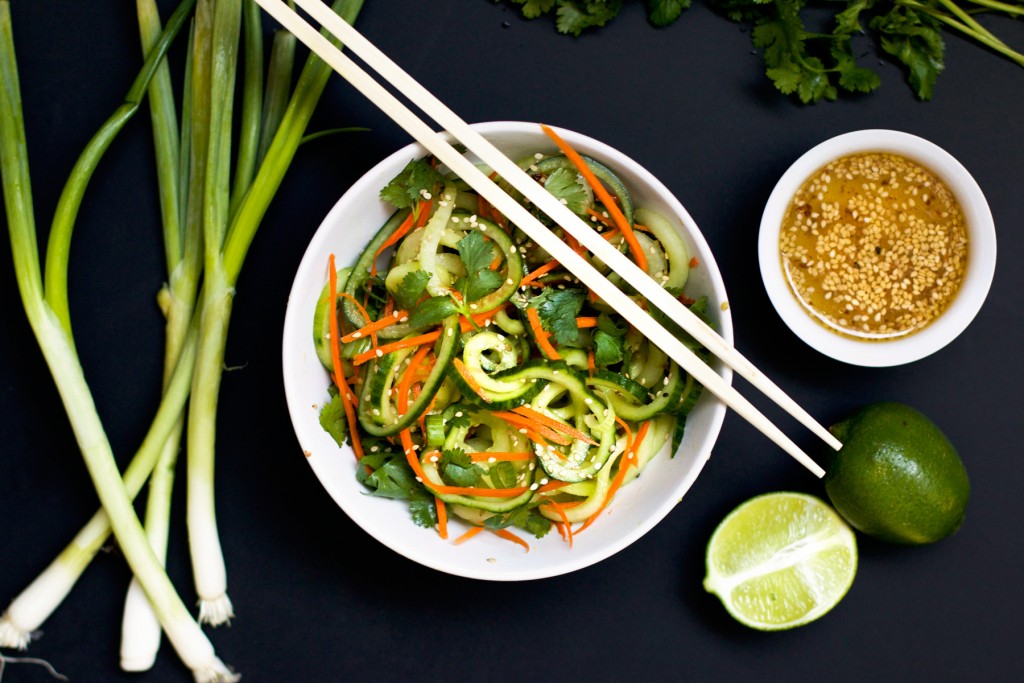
x,y
437,145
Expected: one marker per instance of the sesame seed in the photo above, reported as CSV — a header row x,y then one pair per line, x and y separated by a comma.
x,y
871,254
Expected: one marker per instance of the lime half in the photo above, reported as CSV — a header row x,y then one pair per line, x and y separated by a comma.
x,y
781,560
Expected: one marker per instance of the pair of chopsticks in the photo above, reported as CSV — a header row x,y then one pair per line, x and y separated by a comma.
x,y
459,130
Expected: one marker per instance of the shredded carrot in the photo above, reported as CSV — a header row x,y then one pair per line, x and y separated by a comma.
x,y
480,492
442,517
628,460
540,334
509,536
535,427
348,397
478,319
603,195
585,322
396,346
398,234
538,271
375,326
551,422
694,262
362,311
473,531
591,365
601,218
642,228
565,527
460,367
552,486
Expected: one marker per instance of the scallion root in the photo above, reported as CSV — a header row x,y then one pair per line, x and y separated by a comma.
x,y
4,661
217,611
12,636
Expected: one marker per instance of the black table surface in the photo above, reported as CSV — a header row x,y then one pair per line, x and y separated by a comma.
x,y
316,598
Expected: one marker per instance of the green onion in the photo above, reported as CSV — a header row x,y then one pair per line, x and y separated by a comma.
x,y
140,628
50,323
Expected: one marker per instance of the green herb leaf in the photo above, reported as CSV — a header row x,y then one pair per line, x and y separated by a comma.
x,y
612,324
423,510
569,187
607,349
432,311
404,189
575,16
557,310
387,475
526,518
535,8
477,253
664,12
914,39
411,288
457,468
333,420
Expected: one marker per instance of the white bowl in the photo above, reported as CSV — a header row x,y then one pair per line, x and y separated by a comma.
x,y
981,251
638,507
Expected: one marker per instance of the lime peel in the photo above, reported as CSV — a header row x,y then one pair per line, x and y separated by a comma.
x,y
781,560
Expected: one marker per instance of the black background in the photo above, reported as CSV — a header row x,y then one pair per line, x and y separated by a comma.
x,y
319,600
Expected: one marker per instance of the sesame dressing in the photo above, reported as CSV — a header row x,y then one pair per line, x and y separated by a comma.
x,y
874,246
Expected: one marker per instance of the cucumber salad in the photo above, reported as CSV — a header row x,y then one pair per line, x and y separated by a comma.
x,y
477,379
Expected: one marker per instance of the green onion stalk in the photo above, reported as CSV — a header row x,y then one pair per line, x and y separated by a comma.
x,y
229,226
44,298
285,116
140,629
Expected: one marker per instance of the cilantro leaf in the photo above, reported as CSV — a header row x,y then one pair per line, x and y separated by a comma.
x,y
481,283
387,475
535,8
613,325
557,310
457,421
575,16
526,518
664,12
432,311
607,349
424,511
568,186
914,39
458,468
333,420
477,253
411,288
404,189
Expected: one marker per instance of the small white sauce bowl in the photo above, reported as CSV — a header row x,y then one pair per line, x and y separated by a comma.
x,y
634,511
981,258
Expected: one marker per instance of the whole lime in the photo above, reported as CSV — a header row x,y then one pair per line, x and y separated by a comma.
x,y
897,476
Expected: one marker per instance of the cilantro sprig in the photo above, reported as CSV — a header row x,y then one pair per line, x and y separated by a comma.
x,y
418,177
477,254
811,65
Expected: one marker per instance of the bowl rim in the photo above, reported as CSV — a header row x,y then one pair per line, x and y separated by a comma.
x,y
981,255
298,404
